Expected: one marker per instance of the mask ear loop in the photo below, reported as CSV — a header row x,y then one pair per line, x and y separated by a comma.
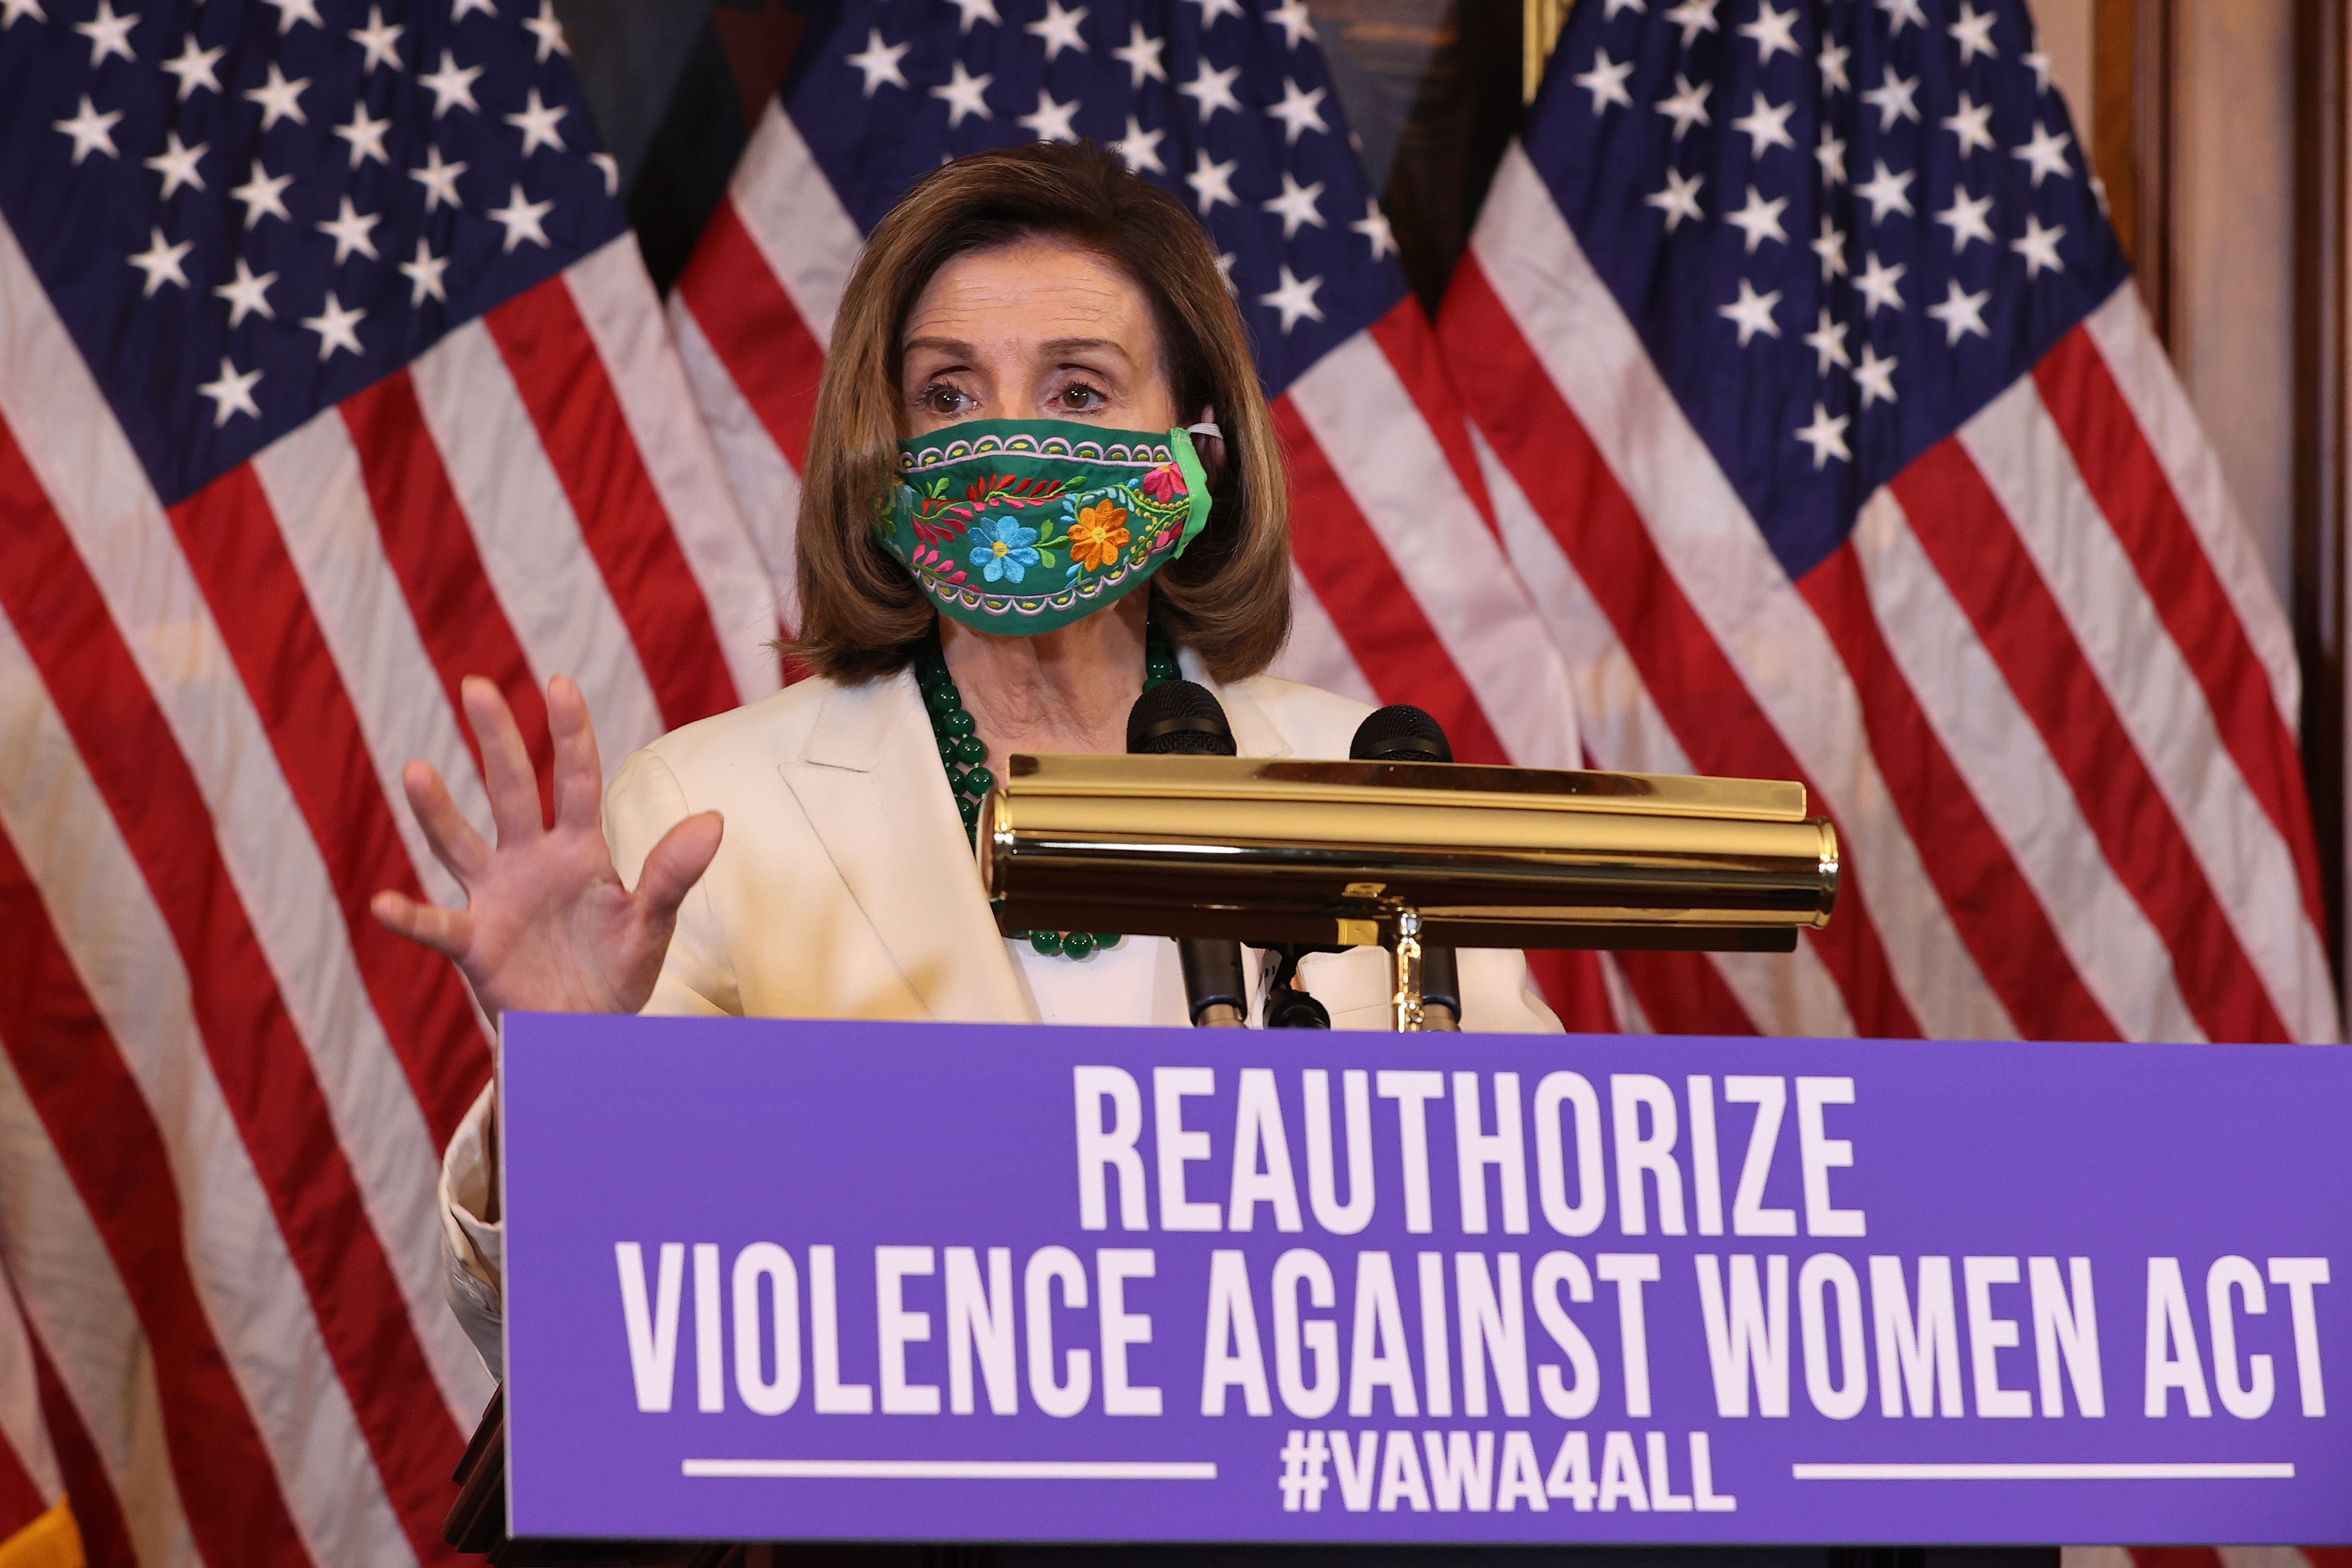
x,y
1206,427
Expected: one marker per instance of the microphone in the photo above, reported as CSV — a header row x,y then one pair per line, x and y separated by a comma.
x,y
1181,718
1403,733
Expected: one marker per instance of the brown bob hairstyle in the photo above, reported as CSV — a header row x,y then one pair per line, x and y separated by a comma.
x,y
1227,597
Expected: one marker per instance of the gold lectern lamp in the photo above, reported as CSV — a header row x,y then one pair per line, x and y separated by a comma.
x,y
1265,851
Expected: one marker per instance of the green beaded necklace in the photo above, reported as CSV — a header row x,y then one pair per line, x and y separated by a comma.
x,y
963,755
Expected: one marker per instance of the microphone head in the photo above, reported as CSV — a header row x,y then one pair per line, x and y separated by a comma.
x,y
1399,733
1178,718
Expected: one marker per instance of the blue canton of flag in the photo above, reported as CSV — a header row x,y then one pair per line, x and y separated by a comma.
x,y
247,212
1233,115
1884,213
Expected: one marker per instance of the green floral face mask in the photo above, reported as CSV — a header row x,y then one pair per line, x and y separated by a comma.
x,y
1022,526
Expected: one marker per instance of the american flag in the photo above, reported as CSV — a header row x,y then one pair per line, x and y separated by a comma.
x,y
1403,592
1825,426
331,374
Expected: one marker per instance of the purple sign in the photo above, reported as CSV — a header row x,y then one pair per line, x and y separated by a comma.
x,y
778,1279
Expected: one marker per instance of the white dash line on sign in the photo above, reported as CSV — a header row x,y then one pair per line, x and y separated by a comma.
x,y
953,1470
2075,1471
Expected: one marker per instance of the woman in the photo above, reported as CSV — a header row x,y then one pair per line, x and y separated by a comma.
x,y
1041,472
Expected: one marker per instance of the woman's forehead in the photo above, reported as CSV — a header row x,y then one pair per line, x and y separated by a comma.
x,y
1034,293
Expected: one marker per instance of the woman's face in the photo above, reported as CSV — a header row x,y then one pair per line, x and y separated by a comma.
x,y
1036,330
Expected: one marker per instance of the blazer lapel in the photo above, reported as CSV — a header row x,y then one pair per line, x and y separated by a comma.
x,y
867,779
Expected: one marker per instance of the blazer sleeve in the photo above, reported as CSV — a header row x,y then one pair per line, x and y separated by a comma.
x,y
644,802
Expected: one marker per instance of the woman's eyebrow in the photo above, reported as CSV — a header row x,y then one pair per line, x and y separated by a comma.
x,y
1058,348
948,346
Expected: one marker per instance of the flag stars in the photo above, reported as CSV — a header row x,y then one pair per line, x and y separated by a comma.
x,y
1886,191
879,63
292,11
1827,342
1751,312
1292,18
1826,436
973,12
1296,206
2037,63
109,34
610,167
537,122
964,94
1894,98
264,195
1212,182
1639,9
379,39
193,67
1961,313
1972,124
1679,200
232,392
337,325
365,136
1374,226
1829,153
522,220
1829,246
1760,220
439,179
1140,55
162,262
1973,33
1899,12
1211,10
282,99
1694,17
451,86
423,274
1875,377
1059,29
351,231
1966,218
91,132
1212,90
12,10
2045,153
1606,81
1295,300
1771,32
547,29
1880,284
177,165
1051,121
1141,148
2039,246
1766,126
462,9
1686,106
247,295
1832,61
1299,111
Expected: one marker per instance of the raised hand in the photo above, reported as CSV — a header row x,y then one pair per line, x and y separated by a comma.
x,y
547,926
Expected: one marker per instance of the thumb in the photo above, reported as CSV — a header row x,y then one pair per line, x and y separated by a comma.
x,y
676,864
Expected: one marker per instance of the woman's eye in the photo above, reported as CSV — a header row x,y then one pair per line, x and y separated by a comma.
x,y
943,399
1080,398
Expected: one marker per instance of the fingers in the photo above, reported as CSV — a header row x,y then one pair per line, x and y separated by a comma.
x,y
446,931
579,776
676,864
506,763
454,842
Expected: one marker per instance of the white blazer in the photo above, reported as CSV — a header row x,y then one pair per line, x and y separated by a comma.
x,y
845,887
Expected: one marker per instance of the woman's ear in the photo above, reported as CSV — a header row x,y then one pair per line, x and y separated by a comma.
x,y
1212,448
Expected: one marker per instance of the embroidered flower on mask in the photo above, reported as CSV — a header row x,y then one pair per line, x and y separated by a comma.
x,y
1006,549
1098,534
1164,484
